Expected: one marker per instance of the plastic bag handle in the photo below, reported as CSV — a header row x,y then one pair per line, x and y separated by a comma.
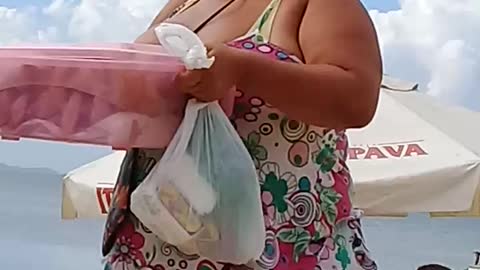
x,y
181,42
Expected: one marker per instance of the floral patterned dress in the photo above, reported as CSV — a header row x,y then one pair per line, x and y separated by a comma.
x,y
305,191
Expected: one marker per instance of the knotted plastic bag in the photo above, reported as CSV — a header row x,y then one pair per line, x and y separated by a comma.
x,y
203,195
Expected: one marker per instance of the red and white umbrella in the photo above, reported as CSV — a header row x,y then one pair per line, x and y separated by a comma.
x,y
417,155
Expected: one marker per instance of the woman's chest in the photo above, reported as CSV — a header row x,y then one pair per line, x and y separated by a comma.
x,y
238,19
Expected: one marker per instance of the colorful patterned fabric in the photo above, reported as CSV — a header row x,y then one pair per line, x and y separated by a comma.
x,y
138,249
305,191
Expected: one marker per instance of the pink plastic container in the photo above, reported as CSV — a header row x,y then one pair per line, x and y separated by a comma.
x,y
119,95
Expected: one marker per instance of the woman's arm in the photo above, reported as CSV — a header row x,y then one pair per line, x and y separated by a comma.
x,y
339,86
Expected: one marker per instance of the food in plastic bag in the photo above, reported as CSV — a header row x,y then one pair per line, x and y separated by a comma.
x,y
203,195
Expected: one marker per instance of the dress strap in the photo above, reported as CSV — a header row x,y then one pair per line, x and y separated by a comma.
x,y
213,16
263,26
186,5
189,3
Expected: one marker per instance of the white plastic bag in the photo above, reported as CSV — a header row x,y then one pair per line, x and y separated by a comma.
x,y
180,41
203,195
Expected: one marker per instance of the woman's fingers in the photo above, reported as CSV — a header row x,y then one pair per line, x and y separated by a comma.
x,y
195,84
188,81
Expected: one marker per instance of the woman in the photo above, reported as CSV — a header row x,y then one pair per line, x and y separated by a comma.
x,y
298,65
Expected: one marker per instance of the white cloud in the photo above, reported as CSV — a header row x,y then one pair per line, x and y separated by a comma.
x,y
434,42
77,21
16,25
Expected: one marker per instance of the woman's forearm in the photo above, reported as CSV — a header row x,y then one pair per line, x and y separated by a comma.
x,y
323,95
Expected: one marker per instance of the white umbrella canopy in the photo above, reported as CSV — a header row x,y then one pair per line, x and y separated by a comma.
x,y
87,191
417,155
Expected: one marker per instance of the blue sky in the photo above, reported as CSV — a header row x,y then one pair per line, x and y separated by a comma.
x,y
20,3
14,3
382,5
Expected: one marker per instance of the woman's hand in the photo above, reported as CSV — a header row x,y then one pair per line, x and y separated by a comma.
x,y
212,84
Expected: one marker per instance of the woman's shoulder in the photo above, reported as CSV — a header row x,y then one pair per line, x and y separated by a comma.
x,y
341,33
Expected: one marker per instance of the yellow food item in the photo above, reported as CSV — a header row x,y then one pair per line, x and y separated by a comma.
x,y
179,208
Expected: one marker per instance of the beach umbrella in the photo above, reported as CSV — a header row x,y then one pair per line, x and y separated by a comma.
x,y
417,155
87,190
